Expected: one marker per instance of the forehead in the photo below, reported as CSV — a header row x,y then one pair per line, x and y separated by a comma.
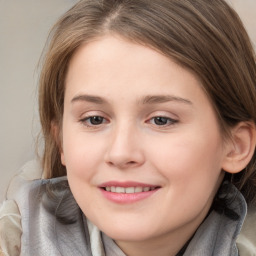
x,y
110,61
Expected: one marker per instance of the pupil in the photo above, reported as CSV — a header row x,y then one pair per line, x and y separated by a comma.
x,y
96,120
161,120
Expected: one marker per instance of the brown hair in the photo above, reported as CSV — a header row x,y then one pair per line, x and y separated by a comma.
x,y
205,36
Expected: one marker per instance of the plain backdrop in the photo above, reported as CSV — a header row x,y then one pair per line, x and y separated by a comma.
x,y
24,26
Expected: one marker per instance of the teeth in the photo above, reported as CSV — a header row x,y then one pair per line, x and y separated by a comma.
x,y
138,189
120,190
146,189
129,190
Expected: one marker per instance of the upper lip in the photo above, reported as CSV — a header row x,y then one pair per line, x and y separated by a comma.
x,y
126,184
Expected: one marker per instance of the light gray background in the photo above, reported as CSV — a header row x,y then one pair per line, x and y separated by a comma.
x,y
24,25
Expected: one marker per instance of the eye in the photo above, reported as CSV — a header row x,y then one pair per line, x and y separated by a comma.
x,y
93,120
162,121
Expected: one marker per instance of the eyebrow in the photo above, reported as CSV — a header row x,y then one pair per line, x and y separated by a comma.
x,y
154,99
149,99
89,98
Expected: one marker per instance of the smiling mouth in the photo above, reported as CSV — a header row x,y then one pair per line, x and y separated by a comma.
x,y
128,190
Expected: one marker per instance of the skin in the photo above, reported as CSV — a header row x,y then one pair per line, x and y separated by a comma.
x,y
183,153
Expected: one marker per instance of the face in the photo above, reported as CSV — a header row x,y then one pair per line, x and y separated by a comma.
x,y
141,142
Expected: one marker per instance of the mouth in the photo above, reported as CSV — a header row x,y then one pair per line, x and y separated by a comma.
x,y
128,190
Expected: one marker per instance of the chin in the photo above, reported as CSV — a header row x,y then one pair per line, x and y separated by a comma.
x,y
127,233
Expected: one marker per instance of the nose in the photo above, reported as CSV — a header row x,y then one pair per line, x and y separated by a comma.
x,y
125,149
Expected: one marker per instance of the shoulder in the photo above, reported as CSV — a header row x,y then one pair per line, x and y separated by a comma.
x,y
246,241
10,218
10,228
28,172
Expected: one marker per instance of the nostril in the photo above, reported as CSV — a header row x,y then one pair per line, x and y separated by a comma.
x,y
122,165
122,159
131,162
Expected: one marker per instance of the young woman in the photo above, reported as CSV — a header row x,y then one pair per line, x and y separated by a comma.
x,y
148,117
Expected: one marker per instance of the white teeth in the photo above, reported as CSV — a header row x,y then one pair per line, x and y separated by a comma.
x,y
120,190
138,189
129,190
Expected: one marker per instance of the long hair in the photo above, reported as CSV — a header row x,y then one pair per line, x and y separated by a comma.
x,y
205,36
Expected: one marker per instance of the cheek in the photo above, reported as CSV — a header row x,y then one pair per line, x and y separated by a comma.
x,y
80,153
190,161
193,171
81,158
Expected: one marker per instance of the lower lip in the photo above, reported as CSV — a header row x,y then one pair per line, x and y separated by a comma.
x,y
126,198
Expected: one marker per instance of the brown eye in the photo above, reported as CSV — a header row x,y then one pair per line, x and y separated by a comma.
x,y
162,121
159,120
93,120
96,120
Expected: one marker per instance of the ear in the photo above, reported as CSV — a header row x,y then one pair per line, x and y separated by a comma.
x,y
240,148
56,133
62,157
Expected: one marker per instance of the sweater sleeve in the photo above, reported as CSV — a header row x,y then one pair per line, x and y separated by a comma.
x,y
10,229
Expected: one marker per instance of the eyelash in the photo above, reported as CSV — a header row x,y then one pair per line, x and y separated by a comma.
x,y
166,121
87,119
169,121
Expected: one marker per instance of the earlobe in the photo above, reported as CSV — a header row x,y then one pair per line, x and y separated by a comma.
x,y
62,158
240,148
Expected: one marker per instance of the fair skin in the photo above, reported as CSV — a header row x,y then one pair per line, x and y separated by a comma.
x,y
134,118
